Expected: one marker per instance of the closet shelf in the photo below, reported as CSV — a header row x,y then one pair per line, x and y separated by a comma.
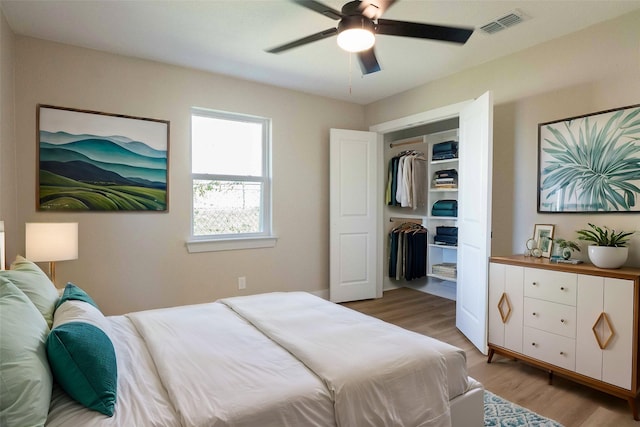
x,y
433,245
442,190
414,219
437,276
443,218
441,162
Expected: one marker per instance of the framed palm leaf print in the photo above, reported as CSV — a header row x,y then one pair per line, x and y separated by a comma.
x,y
590,163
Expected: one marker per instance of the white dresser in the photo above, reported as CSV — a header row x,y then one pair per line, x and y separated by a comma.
x,y
578,321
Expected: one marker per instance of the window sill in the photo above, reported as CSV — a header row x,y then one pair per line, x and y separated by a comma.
x,y
195,246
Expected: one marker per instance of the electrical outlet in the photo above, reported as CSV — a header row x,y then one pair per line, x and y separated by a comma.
x,y
242,282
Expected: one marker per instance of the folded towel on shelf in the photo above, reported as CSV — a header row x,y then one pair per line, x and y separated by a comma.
x,y
446,204
446,146
445,208
446,231
446,173
444,212
439,239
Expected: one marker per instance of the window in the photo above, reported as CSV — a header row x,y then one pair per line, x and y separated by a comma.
x,y
230,170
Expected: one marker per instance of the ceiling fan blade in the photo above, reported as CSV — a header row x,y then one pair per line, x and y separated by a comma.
x,y
373,9
309,39
323,9
424,31
368,62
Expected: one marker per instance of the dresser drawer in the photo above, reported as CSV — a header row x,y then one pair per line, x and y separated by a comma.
x,y
550,285
550,348
549,316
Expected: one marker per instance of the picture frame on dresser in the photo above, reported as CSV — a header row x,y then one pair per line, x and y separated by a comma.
x,y
588,163
543,235
96,161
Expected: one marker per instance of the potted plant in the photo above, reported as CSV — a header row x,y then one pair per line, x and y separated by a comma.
x,y
610,247
566,247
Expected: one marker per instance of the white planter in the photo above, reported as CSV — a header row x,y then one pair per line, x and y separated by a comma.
x,y
608,256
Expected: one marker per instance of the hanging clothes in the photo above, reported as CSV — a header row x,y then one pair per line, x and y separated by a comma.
x,y
408,251
407,180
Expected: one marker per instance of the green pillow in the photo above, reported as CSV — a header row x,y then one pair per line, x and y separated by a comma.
x,y
25,378
82,357
35,284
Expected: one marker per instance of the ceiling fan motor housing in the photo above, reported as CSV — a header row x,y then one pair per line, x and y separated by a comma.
x,y
352,8
351,22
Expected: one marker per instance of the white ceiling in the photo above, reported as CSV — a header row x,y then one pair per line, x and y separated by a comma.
x,y
229,37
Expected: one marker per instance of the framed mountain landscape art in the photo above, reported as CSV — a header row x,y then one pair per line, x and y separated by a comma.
x,y
590,163
93,161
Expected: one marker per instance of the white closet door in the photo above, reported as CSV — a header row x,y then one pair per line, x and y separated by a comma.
x,y
353,215
474,219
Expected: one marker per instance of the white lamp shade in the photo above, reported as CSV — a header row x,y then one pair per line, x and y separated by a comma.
x,y
49,241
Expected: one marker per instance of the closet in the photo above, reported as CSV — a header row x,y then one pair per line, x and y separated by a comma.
x,y
361,217
437,186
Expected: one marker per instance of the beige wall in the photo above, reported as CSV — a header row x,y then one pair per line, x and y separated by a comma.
x,y
592,70
8,190
132,261
136,261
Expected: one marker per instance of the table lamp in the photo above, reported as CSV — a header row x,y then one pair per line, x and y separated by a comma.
x,y
51,242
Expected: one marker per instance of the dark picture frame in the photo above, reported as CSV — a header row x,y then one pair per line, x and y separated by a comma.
x,y
95,161
590,163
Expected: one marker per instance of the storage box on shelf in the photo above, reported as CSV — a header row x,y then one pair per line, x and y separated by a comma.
x,y
578,321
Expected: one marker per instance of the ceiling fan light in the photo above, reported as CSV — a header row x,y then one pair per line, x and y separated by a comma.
x,y
356,40
356,33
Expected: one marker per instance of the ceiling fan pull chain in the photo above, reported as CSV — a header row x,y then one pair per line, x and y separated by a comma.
x,y
350,71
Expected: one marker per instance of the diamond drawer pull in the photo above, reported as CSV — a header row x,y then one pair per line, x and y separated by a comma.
x,y
603,320
504,301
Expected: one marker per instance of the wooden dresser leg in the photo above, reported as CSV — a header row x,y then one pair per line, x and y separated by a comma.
x,y
633,404
550,377
490,356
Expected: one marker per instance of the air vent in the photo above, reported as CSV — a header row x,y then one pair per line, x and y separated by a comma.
x,y
504,22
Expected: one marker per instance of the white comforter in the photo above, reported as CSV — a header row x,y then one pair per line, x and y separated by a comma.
x,y
281,359
393,377
221,371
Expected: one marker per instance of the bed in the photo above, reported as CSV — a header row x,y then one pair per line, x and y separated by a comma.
x,y
276,359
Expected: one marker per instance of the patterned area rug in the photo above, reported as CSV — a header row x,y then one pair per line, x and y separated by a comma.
x,y
502,413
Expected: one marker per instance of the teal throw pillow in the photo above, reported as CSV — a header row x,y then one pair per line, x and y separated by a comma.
x,y
82,356
74,293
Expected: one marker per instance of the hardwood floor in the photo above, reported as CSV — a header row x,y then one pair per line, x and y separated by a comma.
x,y
568,403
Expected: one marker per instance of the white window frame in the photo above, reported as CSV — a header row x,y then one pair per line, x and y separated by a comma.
x,y
222,242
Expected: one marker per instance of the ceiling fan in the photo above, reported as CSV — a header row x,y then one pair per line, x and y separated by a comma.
x,y
359,21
